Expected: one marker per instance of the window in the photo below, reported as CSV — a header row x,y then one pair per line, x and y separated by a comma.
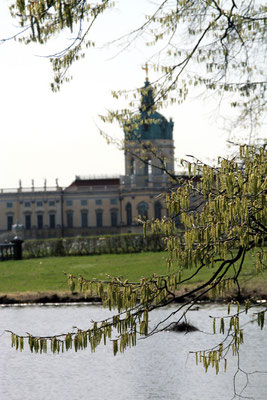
x,y
9,204
99,218
69,202
148,168
9,222
98,202
51,203
84,202
28,221
84,218
113,201
157,210
128,214
39,203
27,204
132,166
114,217
70,219
52,221
142,209
40,221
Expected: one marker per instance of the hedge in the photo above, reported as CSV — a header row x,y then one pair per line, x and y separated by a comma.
x,y
107,244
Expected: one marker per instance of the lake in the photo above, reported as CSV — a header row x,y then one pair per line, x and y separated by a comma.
x,y
159,367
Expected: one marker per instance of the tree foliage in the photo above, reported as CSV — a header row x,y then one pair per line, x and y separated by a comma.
x,y
218,46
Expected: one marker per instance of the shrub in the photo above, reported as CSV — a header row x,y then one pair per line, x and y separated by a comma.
x,y
107,244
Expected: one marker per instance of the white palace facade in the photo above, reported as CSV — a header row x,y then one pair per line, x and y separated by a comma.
x,y
90,206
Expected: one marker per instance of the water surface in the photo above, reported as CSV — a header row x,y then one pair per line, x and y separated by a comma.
x,y
157,368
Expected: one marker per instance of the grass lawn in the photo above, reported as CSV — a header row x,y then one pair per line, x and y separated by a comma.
x,y
46,274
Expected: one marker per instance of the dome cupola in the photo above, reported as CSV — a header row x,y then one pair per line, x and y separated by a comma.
x,y
148,124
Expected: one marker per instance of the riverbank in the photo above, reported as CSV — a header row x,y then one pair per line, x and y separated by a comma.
x,y
45,298
258,294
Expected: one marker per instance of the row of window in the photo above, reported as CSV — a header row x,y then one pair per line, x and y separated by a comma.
x,y
142,210
28,221
84,202
39,203
69,220
98,202
99,218
147,167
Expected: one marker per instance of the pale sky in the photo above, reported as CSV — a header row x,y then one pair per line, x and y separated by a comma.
x,y
47,135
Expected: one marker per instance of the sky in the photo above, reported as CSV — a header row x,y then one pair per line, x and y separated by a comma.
x,y
46,135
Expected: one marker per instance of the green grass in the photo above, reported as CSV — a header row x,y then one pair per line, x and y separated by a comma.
x,y
46,274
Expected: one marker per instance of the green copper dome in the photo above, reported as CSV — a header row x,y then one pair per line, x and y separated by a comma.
x,y
148,124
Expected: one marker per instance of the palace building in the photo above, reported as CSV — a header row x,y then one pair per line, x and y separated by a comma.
x,y
105,205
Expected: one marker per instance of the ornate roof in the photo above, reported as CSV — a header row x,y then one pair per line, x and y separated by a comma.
x,y
148,124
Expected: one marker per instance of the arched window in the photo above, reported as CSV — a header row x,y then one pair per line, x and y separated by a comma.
x,y
132,166
147,167
99,218
40,221
52,220
142,209
69,219
28,221
128,214
84,218
157,210
9,222
114,217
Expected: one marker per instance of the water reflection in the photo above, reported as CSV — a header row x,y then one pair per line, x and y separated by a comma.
x,y
158,368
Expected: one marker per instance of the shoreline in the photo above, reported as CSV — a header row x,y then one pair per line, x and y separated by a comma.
x,y
30,298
